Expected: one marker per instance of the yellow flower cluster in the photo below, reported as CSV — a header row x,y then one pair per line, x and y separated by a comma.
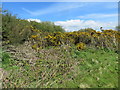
x,y
34,36
81,46
106,38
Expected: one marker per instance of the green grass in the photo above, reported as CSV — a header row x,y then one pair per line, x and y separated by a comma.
x,y
88,68
99,67
7,62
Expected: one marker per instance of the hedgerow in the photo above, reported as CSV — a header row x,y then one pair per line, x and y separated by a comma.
x,y
46,34
104,39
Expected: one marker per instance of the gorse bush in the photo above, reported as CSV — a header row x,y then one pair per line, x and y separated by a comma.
x,y
16,30
47,26
45,34
81,46
105,39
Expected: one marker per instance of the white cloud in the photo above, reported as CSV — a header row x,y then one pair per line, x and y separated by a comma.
x,y
97,16
77,24
36,20
73,25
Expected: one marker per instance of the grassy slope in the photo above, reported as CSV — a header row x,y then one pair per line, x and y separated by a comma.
x,y
58,68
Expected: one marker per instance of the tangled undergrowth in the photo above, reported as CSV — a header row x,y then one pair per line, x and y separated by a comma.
x,y
57,68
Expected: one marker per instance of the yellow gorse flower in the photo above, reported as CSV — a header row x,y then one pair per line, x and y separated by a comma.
x,y
34,36
81,46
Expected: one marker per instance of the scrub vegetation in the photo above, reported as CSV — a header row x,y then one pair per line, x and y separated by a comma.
x,y
43,55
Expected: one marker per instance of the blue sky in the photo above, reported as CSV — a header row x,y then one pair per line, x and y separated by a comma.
x,y
70,15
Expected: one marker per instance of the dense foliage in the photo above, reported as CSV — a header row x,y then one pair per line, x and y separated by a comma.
x,y
47,26
48,34
107,39
16,30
